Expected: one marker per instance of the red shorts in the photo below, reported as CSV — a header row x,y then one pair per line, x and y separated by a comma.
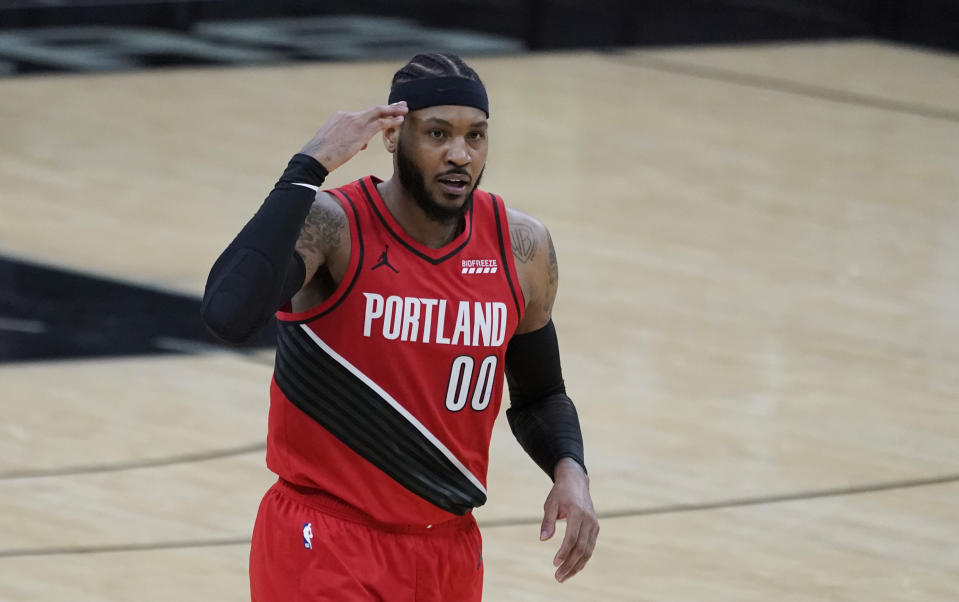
x,y
312,547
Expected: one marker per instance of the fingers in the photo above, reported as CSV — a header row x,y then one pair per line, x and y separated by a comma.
x,y
345,134
570,499
551,513
384,117
394,112
397,108
572,553
388,122
577,547
387,113
569,541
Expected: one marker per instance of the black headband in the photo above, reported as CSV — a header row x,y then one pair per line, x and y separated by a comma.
x,y
422,93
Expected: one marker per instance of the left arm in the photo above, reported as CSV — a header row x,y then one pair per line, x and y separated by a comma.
x,y
541,415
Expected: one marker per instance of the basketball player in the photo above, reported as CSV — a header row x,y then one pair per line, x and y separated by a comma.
x,y
401,304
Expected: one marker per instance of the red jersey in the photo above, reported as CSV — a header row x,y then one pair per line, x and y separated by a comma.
x,y
385,394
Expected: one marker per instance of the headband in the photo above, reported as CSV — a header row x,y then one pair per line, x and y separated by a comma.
x,y
422,93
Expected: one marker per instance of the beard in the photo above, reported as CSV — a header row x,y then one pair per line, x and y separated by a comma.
x,y
413,181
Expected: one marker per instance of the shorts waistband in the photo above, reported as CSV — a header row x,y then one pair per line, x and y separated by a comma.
x,y
334,506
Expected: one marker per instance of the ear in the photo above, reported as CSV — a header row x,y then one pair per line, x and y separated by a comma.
x,y
390,136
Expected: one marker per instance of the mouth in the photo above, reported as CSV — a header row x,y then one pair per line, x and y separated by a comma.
x,y
454,184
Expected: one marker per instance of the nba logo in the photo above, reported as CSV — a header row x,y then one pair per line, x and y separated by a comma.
x,y
308,536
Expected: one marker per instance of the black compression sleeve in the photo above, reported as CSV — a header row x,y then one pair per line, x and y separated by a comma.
x,y
260,271
542,417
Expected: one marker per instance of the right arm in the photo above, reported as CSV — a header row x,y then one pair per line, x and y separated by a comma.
x,y
281,248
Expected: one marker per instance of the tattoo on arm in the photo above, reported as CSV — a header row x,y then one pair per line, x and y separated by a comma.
x,y
320,233
524,242
553,274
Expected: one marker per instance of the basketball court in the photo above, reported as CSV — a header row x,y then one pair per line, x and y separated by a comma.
x,y
758,313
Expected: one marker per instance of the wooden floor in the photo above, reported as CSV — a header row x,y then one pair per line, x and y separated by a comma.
x,y
759,315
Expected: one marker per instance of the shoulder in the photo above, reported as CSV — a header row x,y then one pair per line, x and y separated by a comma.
x,y
536,267
325,231
326,203
527,235
326,214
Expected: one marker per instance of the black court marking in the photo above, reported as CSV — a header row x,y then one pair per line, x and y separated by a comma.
x,y
64,471
784,85
528,521
52,313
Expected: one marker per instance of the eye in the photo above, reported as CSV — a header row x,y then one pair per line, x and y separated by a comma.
x,y
477,135
436,134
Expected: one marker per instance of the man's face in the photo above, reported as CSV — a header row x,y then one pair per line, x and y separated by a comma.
x,y
440,156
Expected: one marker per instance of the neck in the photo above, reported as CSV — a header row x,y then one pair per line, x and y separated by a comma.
x,y
413,219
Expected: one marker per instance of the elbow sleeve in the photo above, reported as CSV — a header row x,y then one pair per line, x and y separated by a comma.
x,y
243,293
548,431
260,270
542,417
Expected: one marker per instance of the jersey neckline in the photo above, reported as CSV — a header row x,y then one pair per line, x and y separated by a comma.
x,y
434,256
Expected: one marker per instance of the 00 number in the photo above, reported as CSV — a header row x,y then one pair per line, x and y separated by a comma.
x,y
461,379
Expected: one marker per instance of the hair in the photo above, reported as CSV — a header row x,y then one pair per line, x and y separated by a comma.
x,y
434,64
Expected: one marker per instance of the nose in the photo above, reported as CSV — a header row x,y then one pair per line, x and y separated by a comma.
x,y
458,153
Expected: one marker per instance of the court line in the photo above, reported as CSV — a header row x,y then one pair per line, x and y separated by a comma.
x,y
760,500
251,355
134,464
528,521
131,547
777,84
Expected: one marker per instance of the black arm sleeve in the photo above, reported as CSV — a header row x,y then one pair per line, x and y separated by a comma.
x,y
542,417
260,271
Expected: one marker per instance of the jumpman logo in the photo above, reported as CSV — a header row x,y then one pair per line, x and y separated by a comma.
x,y
384,260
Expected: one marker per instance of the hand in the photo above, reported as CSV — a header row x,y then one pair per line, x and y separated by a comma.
x,y
345,134
570,499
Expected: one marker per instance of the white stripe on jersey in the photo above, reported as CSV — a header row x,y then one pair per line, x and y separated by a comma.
x,y
396,405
